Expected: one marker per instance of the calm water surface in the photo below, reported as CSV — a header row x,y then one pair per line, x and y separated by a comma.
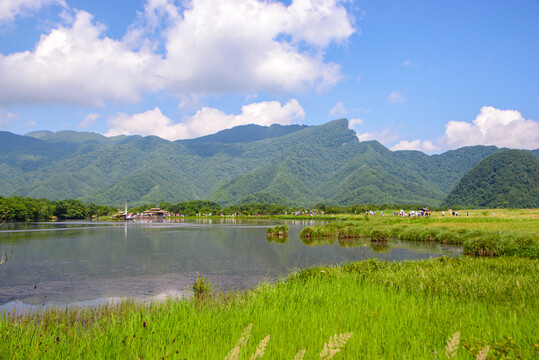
x,y
85,262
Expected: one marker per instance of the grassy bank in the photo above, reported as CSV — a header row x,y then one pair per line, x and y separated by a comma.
x,y
480,235
376,309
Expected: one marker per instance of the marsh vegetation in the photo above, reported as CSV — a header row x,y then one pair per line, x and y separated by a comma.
x,y
394,310
479,235
469,307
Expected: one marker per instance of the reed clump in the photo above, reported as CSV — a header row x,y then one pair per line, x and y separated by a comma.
x,y
477,236
202,288
277,231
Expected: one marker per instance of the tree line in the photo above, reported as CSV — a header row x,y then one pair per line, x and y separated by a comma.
x,y
194,207
27,209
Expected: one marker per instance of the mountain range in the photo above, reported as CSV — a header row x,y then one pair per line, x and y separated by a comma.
x,y
291,165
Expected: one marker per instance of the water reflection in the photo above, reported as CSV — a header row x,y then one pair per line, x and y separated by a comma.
x,y
317,241
378,247
74,262
279,239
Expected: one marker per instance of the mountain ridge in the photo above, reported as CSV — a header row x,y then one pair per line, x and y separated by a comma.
x,y
301,165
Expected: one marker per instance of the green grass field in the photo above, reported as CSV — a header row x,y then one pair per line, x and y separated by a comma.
x,y
392,310
464,308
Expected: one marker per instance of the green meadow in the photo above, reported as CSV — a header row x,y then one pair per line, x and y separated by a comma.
x,y
468,307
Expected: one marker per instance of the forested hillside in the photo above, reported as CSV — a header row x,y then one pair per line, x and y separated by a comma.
x,y
292,165
508,178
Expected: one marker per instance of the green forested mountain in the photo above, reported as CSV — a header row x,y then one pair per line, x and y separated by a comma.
x,y
293,165
508,178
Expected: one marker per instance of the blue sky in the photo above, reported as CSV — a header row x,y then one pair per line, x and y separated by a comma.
x,y
423,75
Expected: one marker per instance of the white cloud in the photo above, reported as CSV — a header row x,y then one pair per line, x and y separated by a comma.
x,y
30,123
317,21
9,9
206,121
384,136
396,97
407,63
338,110
503,128
89,120
76,65
251,46
354,122
425,146
200,47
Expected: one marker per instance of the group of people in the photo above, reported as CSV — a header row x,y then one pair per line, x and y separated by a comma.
x,y
454,213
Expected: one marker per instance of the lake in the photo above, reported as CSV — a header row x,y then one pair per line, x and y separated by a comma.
x,y
84,262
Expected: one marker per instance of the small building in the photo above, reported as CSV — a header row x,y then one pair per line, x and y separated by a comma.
x,y
154,213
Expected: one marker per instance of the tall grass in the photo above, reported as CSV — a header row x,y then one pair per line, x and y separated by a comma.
x,y
475,235
394,310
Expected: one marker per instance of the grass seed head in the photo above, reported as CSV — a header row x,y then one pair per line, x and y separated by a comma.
x,y
452,345
300,355
261,348
483,353
335,344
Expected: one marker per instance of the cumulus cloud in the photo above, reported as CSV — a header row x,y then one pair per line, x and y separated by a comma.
x,y
503,128
205,121
317,21
9,9
76,65
250,46
354,122
197,47
425,146
385,136
396,97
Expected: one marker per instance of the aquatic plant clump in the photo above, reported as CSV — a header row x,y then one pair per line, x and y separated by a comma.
x,y
469,233
342,230
279,230
202,287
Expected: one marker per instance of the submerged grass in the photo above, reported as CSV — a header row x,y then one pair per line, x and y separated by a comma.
x,y
393,310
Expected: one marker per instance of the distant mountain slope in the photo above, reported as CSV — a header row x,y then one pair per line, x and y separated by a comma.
x,y
445,170
297,165
245,134
69,137
507,178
